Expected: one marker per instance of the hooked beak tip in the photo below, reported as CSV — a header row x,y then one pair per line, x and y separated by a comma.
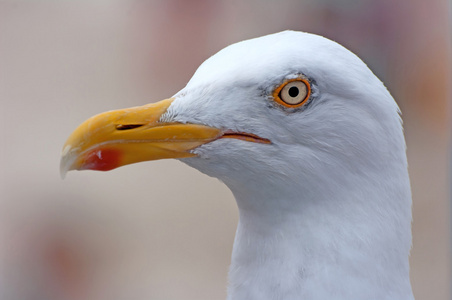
x,y
67,161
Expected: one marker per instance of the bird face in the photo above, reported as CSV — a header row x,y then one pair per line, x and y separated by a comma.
x,y
285,101
311,145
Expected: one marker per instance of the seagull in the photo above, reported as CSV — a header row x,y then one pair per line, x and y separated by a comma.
x,y
311,144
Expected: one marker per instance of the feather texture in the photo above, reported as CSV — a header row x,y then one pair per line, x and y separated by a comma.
x,y
325,210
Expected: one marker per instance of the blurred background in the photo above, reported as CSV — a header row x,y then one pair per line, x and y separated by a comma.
x,y
161,230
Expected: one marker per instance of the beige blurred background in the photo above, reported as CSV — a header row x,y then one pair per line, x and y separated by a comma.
x,y
161,230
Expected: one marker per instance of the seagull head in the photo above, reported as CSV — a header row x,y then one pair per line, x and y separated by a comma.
x,y
288,107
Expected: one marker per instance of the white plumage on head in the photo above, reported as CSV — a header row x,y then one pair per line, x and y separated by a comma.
x,y
325,210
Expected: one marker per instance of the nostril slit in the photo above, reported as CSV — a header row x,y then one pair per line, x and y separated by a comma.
x,y
127,126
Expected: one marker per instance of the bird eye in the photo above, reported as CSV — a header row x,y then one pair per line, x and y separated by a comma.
x,y
293,93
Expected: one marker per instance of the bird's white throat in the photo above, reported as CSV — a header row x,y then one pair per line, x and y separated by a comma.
x,y
319,245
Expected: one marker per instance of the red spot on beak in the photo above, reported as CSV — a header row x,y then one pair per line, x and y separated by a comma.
x,y
102,159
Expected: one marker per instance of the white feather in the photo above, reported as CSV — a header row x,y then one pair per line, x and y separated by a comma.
x,y
325,210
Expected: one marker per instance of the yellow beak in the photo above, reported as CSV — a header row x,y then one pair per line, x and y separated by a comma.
x,y
117,138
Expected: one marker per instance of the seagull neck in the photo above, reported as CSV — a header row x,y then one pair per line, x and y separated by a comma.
x,y
315,249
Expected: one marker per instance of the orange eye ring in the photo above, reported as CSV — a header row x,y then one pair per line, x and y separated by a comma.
x,y
293,93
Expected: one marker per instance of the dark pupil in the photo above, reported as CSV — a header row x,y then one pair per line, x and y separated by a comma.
x,y
293,92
